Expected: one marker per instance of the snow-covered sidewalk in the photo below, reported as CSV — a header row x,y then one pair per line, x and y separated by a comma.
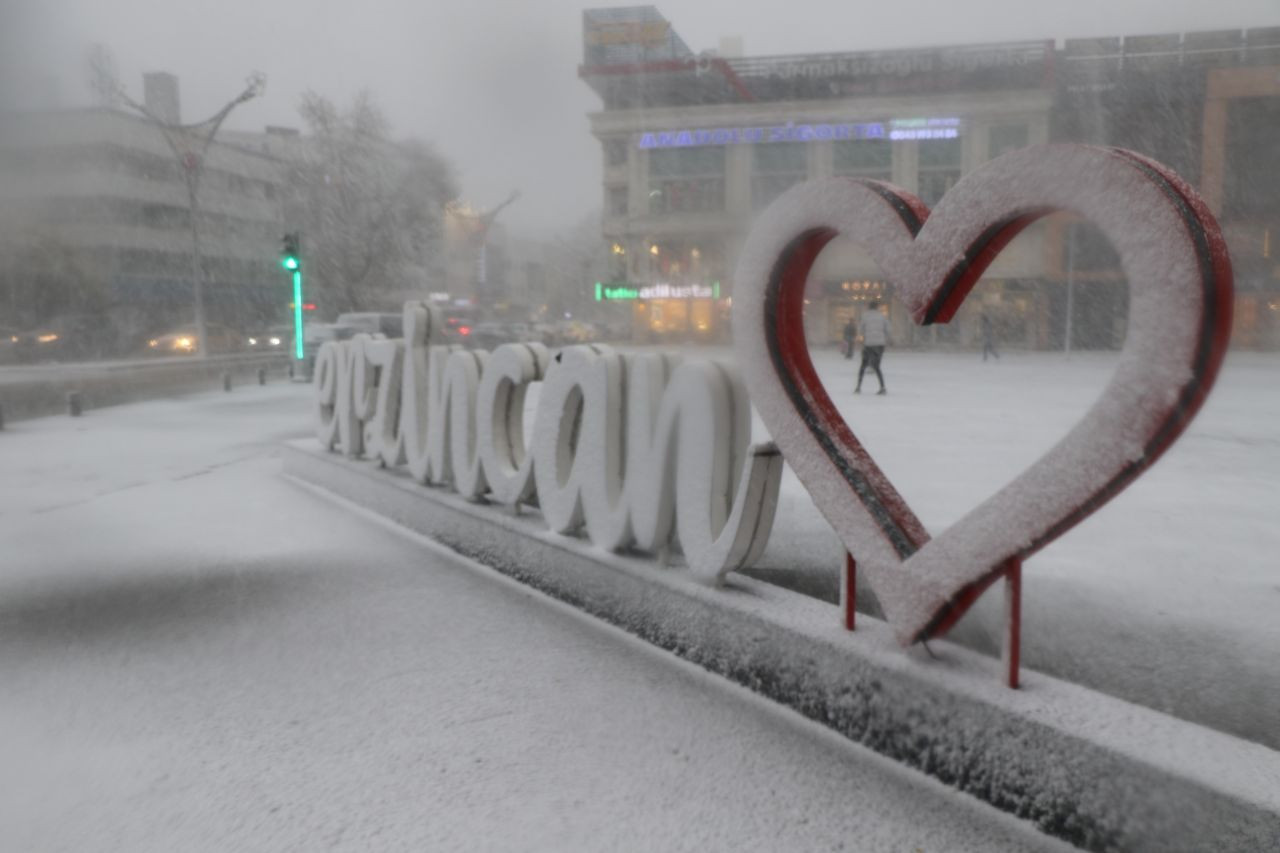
x,y
198,654
1165,597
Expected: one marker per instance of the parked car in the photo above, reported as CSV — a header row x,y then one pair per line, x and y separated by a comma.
x,y
528,333
547,333
489,336
219,339
575,332
458,323
315,335
391,325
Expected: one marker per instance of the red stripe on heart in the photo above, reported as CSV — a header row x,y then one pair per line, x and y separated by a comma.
x,y
783,335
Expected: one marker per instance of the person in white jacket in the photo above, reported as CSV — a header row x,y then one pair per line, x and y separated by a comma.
x,y
874,330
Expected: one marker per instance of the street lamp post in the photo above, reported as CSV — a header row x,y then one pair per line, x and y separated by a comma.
x,y
483,223
189,143
1071,287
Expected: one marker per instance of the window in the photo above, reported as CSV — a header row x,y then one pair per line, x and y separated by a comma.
x,y
615,152
939,168
778,167
162,216
617,201
686,180
865,158
1252,180
1003,138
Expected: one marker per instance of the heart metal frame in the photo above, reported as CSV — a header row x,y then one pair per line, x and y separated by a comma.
x,y
1180,284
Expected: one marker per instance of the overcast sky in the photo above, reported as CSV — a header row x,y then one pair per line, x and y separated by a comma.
x,y
494,82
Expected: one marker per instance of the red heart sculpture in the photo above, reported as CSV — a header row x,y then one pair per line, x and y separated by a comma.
x,y
1180,290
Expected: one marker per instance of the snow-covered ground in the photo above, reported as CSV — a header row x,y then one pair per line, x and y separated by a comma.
x,y
1166,596
199,655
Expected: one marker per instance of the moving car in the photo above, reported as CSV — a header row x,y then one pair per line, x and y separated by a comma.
x,y
220,340
273,339
8,345
72,337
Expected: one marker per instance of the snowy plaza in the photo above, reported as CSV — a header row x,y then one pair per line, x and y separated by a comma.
x,y
685,426
267,671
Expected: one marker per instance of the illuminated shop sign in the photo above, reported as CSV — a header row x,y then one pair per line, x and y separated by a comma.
x,y
911,128
661,290
789,132
924,128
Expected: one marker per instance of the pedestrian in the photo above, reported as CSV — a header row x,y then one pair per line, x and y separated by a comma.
x,y
850,332
988,338
875,337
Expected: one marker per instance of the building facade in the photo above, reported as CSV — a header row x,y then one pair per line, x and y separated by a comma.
x,y
1207,104
106,186
694,145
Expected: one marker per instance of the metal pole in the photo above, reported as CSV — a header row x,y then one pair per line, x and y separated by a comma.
x,y
298,349
197,272
1071,284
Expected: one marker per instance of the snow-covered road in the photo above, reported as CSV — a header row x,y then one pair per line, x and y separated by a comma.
x,y
196,654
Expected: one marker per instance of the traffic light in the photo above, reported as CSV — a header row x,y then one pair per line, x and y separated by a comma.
x,y
290,252
291,259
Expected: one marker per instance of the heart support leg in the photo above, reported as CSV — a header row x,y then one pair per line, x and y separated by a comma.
x,y
1012,622
849,588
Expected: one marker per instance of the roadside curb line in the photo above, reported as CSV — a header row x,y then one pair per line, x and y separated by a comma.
x,y
99,386
1082,766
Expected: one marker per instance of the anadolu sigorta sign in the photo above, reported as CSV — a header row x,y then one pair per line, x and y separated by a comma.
x,y
647,451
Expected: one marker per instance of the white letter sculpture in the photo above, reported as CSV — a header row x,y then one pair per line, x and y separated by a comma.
x,y
456,418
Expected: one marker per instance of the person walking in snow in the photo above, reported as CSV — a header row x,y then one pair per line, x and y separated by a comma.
x,y
875,337
988,338
850,332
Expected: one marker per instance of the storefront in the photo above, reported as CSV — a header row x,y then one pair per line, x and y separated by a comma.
x,y
665,311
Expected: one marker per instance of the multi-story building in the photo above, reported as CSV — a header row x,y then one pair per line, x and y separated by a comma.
x,y
1206,104
696,144
107,187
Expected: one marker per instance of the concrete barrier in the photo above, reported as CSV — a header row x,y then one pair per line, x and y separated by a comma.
x,y
32,392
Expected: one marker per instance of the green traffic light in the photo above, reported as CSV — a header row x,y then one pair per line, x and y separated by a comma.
x,y
290,262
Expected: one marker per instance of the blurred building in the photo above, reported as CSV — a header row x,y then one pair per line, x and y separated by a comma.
x,y
1207,104
105,185
694,145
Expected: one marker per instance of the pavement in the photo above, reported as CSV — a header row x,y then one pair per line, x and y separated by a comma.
x,y
199,654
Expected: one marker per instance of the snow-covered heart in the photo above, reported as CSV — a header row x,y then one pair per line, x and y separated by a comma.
x,y
1180,293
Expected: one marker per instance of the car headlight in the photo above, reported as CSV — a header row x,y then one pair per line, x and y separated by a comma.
x,y
275,342
253,342
183,343
47,339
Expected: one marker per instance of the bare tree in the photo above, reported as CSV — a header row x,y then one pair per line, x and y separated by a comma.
x,y
103,78
369,208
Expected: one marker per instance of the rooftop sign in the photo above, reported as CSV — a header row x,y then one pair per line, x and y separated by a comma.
x,y
914,128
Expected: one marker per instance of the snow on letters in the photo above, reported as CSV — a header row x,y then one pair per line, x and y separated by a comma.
x,y
674,463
